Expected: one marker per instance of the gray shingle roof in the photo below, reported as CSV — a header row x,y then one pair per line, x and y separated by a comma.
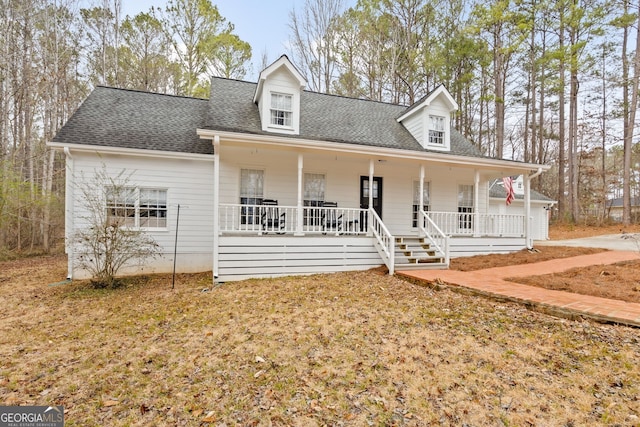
x,y
619,201
131,119
322,117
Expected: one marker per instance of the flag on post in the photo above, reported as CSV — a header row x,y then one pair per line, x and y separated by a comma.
x,y
508,188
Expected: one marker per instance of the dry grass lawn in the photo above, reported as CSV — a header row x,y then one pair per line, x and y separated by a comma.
x,y
351,349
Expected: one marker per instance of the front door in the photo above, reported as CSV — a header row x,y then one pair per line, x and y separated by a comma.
x,y
376,191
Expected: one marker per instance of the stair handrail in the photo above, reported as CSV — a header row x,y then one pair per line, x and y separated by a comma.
x,y
443,248
384,238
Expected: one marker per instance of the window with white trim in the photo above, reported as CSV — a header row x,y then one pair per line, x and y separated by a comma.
x,y
137,207
251,193
436,130
465,207
281,109
314,188
426,205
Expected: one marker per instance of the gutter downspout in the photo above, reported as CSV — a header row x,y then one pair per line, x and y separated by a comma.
x,y
69,224
216,205
527,207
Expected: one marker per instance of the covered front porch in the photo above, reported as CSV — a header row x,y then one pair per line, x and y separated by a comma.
x,y
284,207
276,239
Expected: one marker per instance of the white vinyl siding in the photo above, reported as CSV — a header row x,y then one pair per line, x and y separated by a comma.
x,y
186,182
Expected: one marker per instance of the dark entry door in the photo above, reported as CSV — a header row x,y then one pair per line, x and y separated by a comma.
x,y
376,189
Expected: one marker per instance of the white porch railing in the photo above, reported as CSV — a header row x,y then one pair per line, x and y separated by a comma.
x,y
478,224
260,219
386,243
435,235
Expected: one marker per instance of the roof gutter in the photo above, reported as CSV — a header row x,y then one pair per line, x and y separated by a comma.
x,y
538,172
347,148
129,151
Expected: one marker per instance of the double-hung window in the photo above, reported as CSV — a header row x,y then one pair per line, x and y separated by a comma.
x,y
137,207
251,193
314,188
281,109
426,205
436,130
465,207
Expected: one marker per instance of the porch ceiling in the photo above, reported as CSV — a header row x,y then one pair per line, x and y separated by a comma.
x,y
489,167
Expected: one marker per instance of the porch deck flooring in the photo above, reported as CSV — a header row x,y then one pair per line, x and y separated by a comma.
x,y
491,282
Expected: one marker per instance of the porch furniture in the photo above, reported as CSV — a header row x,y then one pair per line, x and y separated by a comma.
x,y
248,214
271,218
331,220
311,213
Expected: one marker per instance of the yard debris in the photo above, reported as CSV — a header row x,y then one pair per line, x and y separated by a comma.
x,y
210,417
347,354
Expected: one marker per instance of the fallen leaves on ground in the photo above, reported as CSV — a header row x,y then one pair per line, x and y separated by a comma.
x,y
563,231
351,349
619,281
524,256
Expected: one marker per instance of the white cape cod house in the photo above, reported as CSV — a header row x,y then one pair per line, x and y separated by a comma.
x,y
275,180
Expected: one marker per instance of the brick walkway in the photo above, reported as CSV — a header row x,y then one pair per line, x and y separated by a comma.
x,y
490,282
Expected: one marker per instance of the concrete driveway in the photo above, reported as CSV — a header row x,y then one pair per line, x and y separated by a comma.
x,y
616,242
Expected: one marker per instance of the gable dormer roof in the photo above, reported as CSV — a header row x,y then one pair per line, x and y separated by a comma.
x,y
282,62
439,92
327,118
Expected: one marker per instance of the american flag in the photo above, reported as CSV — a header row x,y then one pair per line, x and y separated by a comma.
x,y
508,187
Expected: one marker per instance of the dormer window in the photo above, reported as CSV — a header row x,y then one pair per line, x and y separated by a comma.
x,y
281,110
429,120
278,95
436,130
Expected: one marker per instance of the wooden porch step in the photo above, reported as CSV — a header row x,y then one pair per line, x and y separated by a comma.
x,y
416,253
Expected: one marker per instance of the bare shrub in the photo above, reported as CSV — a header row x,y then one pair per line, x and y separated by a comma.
x,y
108,242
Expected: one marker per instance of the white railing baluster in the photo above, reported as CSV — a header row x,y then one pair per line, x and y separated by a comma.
x,y
385,240
435,235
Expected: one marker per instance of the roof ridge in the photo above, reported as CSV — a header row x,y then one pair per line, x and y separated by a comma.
x,y
233,80
356,99
151,93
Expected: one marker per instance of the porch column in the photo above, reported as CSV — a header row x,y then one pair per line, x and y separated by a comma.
x,y
476,200
216,205
421,195
371,171
300,216
527,207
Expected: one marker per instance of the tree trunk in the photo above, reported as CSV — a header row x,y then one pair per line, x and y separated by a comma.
x,y
562,208
628,141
